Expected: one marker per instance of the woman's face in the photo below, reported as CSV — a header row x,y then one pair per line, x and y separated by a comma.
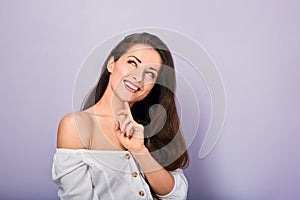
x,y
134,74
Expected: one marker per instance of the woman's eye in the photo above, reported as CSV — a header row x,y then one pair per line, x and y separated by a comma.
x,y
151,74
132,62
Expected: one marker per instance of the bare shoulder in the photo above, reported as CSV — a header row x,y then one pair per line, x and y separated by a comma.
x,y
73,131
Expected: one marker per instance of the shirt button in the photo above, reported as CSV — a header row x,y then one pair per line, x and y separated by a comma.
x,y
134,174
127,156
141,193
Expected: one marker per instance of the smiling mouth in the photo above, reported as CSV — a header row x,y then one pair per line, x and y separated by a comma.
x,y
131,87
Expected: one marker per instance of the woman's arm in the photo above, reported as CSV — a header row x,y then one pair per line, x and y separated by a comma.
x,y
69,171
71,175
131,136
161,181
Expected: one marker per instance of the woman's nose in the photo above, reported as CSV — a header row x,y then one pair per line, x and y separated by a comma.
x,y
138,76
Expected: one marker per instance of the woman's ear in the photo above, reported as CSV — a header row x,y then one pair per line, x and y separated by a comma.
x,y
110,64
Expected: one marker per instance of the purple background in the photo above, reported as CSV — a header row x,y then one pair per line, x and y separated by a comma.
x,y
255,45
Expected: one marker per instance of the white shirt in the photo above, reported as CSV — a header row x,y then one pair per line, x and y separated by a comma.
x,y
107,175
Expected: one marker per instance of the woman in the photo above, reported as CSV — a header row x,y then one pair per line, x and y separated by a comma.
x,y
126,142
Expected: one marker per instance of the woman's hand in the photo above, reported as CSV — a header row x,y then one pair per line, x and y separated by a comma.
x,y
129,132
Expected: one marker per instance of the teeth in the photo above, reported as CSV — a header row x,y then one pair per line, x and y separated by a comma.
x,y
131,86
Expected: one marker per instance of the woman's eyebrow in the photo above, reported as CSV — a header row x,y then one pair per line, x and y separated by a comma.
x,y
136,59
152,68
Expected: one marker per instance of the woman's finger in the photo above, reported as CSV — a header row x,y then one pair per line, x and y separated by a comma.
x,y
139,130
126,110
126,106
124,123
119,119
129,129
123,112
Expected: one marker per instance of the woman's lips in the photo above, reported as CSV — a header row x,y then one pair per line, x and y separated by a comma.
x,y
131,87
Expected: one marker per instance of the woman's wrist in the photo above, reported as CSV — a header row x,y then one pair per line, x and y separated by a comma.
x,y
146,161
141,151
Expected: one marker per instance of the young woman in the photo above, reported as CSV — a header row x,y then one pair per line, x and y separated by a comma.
x,y
126,142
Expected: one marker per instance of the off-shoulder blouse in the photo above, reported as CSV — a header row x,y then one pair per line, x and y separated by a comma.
x,y
83,174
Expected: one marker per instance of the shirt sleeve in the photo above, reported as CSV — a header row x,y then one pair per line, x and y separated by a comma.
x,y
180,189
71,175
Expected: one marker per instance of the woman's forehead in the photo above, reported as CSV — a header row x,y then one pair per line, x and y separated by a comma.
x,y
146,54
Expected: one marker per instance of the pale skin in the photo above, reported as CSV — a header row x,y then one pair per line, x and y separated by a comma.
x,y
138,68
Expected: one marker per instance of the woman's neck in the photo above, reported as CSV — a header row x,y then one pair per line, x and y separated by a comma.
x,y
109,104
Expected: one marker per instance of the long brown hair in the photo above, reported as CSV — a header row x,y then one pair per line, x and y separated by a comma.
x,y
163,137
